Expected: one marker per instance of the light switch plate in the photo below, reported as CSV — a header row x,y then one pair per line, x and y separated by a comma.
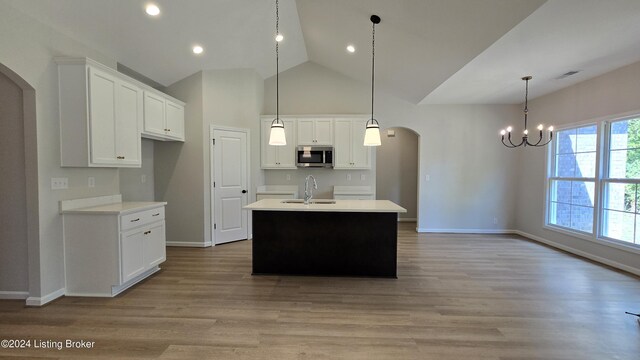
x,y
91,181
363,177
348,177
143,178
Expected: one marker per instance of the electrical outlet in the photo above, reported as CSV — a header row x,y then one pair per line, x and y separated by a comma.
x,y
288,177
427,177
495,221
143,178
363,177
59,183
348,177
91,181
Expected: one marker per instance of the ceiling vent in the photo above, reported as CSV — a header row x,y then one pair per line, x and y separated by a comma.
x,y
567,74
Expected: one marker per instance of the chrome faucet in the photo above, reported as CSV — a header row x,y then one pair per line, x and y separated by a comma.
x,y
308,191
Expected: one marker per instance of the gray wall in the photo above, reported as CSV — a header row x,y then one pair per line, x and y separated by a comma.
x,y
137,184
27,47
398,182
179,168
606,96
228,98
14,271
471,173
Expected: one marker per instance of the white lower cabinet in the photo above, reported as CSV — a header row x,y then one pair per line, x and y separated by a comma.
x,y
106,253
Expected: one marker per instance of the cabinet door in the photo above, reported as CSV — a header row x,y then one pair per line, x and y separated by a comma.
x,y
305,132
154,245
102,117
175,120
268,153
154,116
132,254
128,121
323,131
342,144
287,153
360,154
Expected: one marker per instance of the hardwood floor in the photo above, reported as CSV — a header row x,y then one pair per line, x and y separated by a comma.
x,y
456,297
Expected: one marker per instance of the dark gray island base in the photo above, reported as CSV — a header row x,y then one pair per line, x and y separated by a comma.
x,y
325,243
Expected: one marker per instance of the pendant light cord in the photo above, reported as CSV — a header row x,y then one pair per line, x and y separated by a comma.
x,y
277,67
526,103
373,65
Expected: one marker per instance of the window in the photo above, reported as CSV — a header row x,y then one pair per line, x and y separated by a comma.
x,y
620,210
572,179
601,205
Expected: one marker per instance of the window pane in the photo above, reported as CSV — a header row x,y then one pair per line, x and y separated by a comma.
x,y
565,165
560,214
637,237
624,134
618,225
582,193
582,218
561,191
586,165
625,164
619,196
586,139
566,141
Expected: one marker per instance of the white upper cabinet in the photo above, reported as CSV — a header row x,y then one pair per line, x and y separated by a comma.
x,y
349,151
100,116
163,118
315,132
278,157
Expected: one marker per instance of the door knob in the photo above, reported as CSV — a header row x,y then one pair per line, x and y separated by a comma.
x,y
244,191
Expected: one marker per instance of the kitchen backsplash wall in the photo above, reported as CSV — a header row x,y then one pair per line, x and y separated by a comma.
x,y
136,184
326,179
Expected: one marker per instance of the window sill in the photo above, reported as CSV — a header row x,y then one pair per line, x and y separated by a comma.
x,y
598,240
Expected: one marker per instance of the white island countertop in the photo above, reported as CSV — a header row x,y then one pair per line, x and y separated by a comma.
x,y
338,206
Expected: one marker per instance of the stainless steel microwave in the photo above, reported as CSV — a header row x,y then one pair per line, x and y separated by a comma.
x,y
314,156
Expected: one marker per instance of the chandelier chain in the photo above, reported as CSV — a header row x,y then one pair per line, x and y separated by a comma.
x,y
373,64
277,63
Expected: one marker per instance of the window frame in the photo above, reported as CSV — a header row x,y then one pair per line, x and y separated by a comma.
x,y
603,125
551,164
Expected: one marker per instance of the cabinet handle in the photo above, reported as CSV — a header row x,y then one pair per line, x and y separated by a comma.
x,y
156,214
168,129
120,157
134,220
147,232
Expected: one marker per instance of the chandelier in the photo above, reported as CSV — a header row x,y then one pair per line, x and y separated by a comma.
x,y
525,137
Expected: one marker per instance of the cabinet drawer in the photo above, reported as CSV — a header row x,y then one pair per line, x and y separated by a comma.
x,y
136,219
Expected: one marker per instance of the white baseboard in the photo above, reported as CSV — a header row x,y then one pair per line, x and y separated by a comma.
x,y
581,253
39,301
466,231
14,295
189,244
407,220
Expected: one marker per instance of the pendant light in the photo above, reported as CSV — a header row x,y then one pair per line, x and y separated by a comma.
x,y
277,136
372,131
525,137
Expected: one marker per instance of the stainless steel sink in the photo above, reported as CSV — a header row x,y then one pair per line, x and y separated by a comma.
x,y
313,201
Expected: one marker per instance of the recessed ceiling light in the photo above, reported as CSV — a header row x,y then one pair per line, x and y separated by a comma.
x,y
351,48
152,9
198,49
279,37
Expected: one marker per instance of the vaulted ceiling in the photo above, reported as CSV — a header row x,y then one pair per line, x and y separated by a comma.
x,y
427,51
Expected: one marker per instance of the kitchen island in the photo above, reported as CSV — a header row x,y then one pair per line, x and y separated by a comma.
x,y
325,238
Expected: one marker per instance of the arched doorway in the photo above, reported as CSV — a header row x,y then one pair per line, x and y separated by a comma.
x,y
397,170
18,187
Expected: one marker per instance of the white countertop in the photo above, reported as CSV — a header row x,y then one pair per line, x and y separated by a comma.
x,y
116,208
339,206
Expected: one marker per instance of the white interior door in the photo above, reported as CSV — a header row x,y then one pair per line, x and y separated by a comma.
x,y
230,185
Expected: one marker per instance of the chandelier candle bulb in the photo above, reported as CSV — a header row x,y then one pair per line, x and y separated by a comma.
x,y
502,132
550,128
526,132
509,129
540,127
279,37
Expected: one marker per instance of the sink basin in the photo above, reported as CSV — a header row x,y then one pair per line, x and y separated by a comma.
x,y
313,201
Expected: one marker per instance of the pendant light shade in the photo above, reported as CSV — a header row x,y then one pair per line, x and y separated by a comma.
x,y
277,136
372,131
